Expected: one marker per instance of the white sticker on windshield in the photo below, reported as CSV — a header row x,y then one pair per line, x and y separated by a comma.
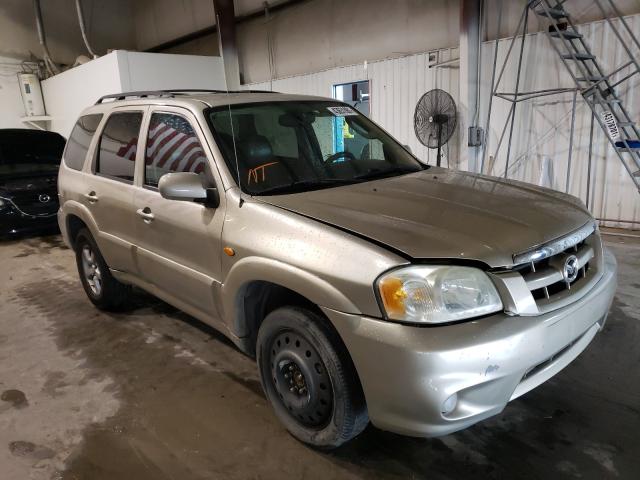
x,y
342,111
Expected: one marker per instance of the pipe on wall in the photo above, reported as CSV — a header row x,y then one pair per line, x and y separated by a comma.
x,y
83,28
51,66
470,32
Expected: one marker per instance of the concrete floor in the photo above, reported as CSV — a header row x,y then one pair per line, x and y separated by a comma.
x,y
153,394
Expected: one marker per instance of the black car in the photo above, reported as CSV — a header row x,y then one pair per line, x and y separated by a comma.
x,y
29,161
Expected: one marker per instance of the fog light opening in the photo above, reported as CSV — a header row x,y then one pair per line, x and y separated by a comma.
x,y
450,404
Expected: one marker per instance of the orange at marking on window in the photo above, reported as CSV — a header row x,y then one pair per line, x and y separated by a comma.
x,y
254,172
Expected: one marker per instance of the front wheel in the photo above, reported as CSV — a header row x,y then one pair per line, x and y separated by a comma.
x,y
309,378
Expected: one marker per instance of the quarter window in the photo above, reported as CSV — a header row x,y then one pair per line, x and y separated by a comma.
x,y
80,139
118,144
172,146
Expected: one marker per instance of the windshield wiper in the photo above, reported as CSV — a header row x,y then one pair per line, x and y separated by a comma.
x,y
382,173
303,185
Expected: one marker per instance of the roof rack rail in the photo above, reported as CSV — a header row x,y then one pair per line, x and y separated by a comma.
x,y
169,93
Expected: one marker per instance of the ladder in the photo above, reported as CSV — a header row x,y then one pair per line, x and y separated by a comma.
x,y
597,87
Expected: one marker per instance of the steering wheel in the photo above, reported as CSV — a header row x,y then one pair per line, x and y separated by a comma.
x,y
346,155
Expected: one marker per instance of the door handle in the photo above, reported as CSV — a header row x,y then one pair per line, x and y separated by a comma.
x,y
146,214
91,196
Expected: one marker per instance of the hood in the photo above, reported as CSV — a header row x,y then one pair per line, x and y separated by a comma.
x,y
439,213
21,185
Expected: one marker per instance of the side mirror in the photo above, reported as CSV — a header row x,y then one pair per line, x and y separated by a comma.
x,y
187,186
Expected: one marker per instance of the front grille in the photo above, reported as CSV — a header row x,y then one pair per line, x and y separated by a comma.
x,y
554,280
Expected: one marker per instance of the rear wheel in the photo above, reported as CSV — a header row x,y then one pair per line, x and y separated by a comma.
x,y
309,378
104,291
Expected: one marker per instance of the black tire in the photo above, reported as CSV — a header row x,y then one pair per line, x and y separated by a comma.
x,y
321,401
112,295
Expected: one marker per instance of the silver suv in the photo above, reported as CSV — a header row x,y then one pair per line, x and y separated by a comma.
x,y
368,285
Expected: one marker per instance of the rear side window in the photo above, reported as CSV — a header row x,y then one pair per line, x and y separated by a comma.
x,y
118,144
172,146
80,139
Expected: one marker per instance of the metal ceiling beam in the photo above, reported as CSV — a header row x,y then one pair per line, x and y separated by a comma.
x,y
213,29
227,46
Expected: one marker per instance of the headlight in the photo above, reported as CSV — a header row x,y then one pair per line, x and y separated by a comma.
x,y
437,294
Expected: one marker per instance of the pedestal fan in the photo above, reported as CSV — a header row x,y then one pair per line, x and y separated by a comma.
x,y
434,120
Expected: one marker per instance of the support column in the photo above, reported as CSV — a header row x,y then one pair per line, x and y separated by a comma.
x,y
469,109
226,22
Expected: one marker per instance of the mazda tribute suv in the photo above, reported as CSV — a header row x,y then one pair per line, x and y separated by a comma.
x,y
368,285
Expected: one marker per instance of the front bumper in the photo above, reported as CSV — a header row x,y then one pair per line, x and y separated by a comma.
x,y
407,373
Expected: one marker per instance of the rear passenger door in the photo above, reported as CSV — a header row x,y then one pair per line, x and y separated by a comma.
x,y
76,166
178,241
108,191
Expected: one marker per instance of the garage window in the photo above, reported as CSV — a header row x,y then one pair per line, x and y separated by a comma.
x,y
80,139
355,94
172,146
118,146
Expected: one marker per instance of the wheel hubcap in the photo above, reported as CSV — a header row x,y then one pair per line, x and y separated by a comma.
x,y
91,270
301,379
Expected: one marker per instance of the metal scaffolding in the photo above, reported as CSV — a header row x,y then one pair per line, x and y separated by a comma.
x,y
597,88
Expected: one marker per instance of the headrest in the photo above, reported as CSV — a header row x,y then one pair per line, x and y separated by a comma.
x,y
246,125
256,150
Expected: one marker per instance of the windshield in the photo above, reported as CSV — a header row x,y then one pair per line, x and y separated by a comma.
x,y
29,152
287,147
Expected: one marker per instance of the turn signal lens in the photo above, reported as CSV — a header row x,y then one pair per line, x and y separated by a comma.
x,y
393,295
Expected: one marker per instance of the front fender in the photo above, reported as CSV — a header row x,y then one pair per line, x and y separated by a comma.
x,y
253,268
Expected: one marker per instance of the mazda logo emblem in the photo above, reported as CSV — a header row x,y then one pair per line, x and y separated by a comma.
x,y
44,198
570,269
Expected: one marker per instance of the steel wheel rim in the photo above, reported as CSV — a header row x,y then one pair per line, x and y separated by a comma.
x,y
91,270
300,379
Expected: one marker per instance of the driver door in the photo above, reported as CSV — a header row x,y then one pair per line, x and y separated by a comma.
x,y
178,242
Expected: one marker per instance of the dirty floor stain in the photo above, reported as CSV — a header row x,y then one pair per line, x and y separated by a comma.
x,y
14,397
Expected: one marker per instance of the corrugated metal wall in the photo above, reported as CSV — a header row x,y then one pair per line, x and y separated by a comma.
x,y
540,145
541,134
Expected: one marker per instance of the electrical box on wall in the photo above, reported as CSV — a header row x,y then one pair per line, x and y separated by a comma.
x,y
476,136
433,58
31,94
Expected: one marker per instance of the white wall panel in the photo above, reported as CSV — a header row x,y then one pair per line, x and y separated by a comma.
x,y
70,92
